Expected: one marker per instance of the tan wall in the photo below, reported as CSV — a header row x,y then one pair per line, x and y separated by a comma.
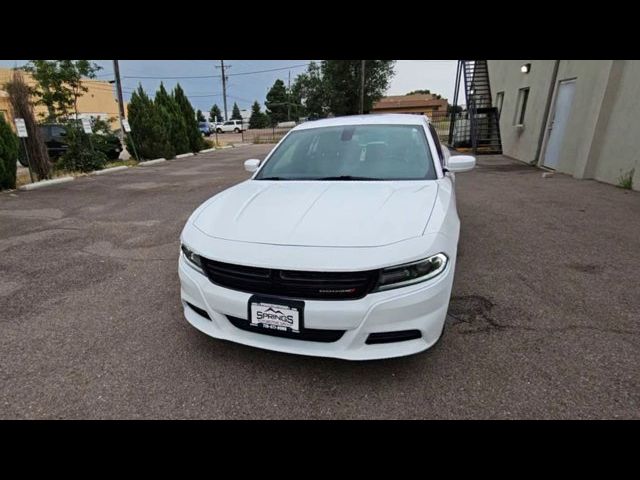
x,y
600,140
616,150
100,99
505,76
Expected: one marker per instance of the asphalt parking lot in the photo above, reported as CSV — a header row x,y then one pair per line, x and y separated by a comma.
x,y
544,320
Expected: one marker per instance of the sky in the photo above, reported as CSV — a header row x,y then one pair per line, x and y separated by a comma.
x,y
435,75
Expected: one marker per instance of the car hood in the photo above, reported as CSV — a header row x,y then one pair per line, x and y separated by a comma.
x,y
330,214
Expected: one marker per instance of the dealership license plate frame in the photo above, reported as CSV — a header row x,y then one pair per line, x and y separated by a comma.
x,y
289,304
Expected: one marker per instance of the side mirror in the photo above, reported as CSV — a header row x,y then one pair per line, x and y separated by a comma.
x,y
251,165
461,163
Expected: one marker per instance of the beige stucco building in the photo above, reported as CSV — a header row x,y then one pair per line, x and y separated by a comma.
x,y
579,117
420,104
99,101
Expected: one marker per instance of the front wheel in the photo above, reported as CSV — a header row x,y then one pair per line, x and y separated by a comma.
x,y
219,130
236,130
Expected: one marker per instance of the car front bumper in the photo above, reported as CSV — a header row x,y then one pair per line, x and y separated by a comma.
x,y
420,307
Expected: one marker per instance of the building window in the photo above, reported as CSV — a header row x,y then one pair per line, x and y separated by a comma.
x,y
521,110
499,100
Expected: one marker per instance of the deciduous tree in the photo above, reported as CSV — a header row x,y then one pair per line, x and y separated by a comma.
x,y
342,82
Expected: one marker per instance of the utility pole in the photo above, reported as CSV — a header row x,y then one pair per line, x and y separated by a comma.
x,y
362,88
116,72
224,86
289,99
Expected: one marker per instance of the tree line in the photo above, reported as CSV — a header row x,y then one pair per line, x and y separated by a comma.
x,y
332,87
165,126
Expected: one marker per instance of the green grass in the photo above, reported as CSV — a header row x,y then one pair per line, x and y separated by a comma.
x,y
119,163
626,180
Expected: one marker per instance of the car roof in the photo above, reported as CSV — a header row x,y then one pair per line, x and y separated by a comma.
x,y
376,119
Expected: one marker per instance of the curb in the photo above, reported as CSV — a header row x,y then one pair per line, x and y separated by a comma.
x,y
183,155
152,162
109,170
241,144
225,147
207,150
45,183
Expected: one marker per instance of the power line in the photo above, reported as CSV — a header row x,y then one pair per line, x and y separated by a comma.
x,y
216,76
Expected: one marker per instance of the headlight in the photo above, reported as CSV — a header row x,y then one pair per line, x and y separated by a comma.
x,y
410,273
193,259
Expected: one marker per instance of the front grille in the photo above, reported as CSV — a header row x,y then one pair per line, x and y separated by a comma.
x,y
291,283
308,334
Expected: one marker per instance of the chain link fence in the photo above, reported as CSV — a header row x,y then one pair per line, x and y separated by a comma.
x,y
264,135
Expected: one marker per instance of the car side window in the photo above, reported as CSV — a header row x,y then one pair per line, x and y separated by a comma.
x,y
434,135
58,131
436,139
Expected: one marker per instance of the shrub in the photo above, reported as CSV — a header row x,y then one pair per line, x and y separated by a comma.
x,y
80,156
9,148
105,140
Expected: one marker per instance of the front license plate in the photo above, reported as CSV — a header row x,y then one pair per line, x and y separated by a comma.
x,y
276,314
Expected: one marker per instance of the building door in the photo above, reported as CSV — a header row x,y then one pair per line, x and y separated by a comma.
x,y
556,128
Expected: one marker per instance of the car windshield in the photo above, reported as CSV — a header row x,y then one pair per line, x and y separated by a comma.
x,y
352,152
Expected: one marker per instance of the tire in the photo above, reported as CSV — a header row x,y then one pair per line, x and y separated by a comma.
x,y
236,130
219,130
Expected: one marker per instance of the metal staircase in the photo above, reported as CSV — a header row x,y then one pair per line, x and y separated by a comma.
x,y
479,127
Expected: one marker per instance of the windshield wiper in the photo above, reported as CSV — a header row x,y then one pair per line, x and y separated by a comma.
x,y
347,177
272,178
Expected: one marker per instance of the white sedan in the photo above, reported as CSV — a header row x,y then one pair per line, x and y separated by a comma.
x,y
342,243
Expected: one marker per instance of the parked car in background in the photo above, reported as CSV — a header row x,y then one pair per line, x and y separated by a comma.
x,y
206,128
342,243
54,136
236,126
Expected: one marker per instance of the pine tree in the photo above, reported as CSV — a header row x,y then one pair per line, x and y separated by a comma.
x,y
172,120
258,119
193,135
277,102
200,116
151,137
215,113
236,115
